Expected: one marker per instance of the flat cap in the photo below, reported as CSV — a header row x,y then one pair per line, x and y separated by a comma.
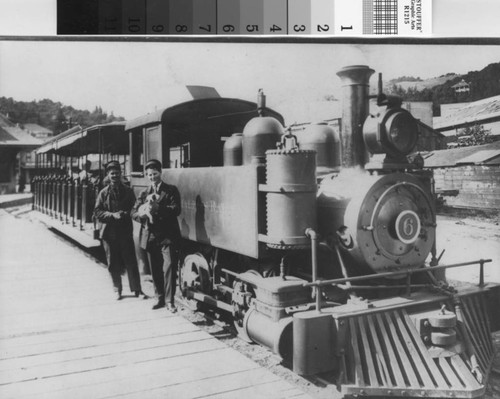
x,y
153,164
112,165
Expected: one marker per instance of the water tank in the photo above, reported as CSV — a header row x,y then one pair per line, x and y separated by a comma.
x,y
259,135
233,150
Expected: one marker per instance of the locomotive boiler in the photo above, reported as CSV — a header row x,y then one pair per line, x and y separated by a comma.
x,y
322,246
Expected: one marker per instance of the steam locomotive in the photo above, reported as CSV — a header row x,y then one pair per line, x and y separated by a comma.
x,y
320,245
317,245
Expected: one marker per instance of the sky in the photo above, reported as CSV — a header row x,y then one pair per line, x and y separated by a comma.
x,y
131,79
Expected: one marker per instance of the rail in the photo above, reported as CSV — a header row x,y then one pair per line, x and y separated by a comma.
x,y
70,201
403,273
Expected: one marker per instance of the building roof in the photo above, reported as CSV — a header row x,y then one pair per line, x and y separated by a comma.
x,y
481,157
477,112
486,154
77,141
462,83
12,136
35,128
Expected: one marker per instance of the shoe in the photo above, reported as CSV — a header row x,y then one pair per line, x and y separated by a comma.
x,y
171,308
139,293
119,296
159,304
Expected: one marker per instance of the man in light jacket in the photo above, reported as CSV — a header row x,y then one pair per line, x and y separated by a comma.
x,y
157,208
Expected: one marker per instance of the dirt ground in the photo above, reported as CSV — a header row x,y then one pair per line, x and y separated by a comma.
x,y
464,237
467,238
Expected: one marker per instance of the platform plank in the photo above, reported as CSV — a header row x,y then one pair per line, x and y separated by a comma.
x,y
141,378
249,384
94,379
74,339
101,349
63,335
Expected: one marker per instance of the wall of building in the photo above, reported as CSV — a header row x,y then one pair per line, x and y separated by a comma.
x,y
421,110
478,186
7,171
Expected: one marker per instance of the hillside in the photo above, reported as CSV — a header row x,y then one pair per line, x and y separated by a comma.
x,y
483,84
53,115
423,84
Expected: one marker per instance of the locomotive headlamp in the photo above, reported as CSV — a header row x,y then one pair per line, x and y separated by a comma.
x,y
393,132
402,131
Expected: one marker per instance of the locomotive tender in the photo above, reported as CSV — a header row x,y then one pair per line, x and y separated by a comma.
x,y
321,246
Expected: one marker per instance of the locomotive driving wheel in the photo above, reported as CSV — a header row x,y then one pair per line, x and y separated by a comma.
x,y
243,296
194,276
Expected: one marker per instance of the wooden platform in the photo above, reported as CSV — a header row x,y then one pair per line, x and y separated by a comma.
x,y
63,334
84,236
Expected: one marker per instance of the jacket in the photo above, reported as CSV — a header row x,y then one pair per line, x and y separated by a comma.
x,y
165,229
103,211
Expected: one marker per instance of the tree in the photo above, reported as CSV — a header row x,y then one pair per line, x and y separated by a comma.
x,y
53,115
473,135
59,122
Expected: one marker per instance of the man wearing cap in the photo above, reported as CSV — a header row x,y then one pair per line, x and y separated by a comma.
x,y
157,208
112,211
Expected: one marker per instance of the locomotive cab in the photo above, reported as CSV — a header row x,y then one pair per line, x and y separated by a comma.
x,y
190,133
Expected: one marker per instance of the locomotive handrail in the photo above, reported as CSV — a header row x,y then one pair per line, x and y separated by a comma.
x,y
406,273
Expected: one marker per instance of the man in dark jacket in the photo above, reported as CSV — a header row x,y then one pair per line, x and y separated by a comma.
x,y
112,211
157,208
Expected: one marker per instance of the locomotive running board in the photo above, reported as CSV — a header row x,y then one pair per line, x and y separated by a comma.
x,y
385,355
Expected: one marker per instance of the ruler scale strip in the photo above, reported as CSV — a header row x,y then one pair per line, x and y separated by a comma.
x,y
246,17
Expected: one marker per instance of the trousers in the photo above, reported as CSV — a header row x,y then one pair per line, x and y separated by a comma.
x,y
120,255
163,260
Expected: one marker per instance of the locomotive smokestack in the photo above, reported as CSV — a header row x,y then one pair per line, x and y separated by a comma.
x,y
355,85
